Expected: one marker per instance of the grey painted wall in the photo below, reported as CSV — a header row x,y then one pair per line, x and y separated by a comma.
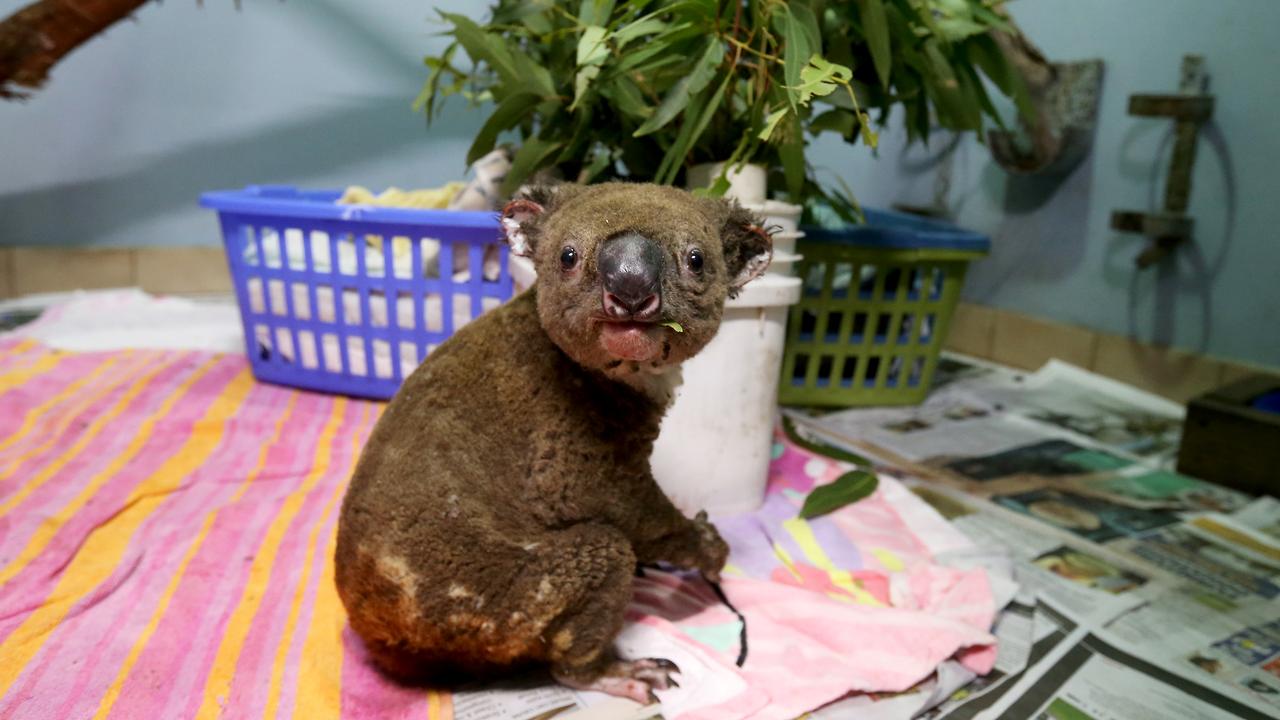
x,y
1054,254
134,125
316,92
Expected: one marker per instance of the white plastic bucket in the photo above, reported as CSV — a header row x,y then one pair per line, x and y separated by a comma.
x,y
714,450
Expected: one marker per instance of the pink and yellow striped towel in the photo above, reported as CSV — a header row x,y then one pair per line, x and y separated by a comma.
x,y
166,535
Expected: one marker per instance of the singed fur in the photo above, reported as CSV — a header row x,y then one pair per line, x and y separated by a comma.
x,y
504,498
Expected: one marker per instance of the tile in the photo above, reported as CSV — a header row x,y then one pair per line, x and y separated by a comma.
x,y
37,270
971,330
1175,374
1027,342
182,270
6,273
1233,371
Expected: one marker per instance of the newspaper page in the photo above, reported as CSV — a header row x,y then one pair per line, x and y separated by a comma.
x,y
1116,416
1262,515
1087,678
962,417
1089,584
1036,469
522,700
1049,629
1225,620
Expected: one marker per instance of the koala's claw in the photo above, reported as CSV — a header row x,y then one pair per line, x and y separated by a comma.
x,y
636,680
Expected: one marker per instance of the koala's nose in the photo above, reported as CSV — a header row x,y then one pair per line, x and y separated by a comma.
x,y
631,269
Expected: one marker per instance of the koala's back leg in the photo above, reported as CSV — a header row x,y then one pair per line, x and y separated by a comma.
x,y
591,567
583,585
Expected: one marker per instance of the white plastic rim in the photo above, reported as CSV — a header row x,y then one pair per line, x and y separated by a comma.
x,y
778,214
783,263
785,242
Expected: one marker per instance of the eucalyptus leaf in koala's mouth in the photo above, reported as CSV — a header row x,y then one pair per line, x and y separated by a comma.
x,y
640,342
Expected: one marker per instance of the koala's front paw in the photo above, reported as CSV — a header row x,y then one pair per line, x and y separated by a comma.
x,y
713,551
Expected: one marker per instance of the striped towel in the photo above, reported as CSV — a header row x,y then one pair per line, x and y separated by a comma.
x,y
167,529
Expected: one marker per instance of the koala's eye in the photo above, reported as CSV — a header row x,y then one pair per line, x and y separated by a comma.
x,y
694,260
568,258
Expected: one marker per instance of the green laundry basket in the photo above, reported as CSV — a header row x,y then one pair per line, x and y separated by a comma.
x,y
875,308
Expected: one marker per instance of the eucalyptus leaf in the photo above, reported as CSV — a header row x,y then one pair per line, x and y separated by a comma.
x,y
528,159
771,123
821,77
626,97
876,28
624,35
796,53
592,46
504,57
537,22
638,89
791,152
506,116
678,97
845,490
426,100
831,451
680,150
956,29
581,82
595,12
718,188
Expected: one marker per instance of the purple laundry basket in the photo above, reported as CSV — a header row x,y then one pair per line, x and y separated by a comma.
x,y
350,298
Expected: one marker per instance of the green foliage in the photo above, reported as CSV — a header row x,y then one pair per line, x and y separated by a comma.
x,y
847,489
645,89
821,448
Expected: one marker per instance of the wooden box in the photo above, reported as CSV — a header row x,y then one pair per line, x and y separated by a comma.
x,y
1229,440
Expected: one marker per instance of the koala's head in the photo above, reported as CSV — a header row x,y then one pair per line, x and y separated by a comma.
x,y
618,263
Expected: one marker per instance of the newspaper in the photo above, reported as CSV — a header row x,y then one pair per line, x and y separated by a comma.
x,y
1116,416
1224,621
1166,587
1088,678
1086,583
1261,515
1141,593
1049,629
968,395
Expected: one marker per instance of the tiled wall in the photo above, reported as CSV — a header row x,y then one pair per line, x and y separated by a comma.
x,y
1027,342
176,270
1006,337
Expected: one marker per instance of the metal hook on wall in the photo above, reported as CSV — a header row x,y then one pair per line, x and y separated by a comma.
x,y
1190,108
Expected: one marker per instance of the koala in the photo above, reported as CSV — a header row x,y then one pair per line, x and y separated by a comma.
x,y
504,500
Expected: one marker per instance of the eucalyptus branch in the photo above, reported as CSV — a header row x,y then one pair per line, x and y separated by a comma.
x,y
36,38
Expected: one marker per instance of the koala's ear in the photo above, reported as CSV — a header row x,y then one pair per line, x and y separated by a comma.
x,y
520,216
516,218
747,246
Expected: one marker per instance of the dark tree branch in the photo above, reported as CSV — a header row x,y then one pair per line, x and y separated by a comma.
x,y
38,36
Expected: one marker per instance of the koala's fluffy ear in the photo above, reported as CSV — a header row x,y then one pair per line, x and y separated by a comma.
x,y
747,247
521,215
